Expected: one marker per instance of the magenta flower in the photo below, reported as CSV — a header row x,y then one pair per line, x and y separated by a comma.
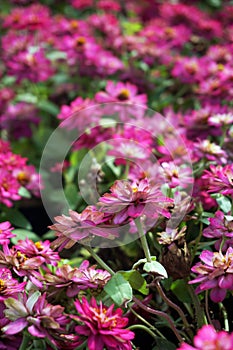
x,y
82,227
208,339
121,92
9,188
34,312
72,280
215,272
20,263
176,175
221,227
210,151
6,232
129,200
102,326
220,179
39,249
9,286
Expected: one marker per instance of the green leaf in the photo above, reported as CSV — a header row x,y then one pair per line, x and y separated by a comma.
x,y
27,97
224,203
56,55
22,234
23,192
71,193
136,281
119,289
49,107
179,288
155,267
16,218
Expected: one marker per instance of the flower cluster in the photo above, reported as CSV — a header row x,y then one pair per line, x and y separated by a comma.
x,y
15,174
144,90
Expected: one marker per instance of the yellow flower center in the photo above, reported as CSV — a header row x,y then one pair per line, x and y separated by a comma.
x,y
80,41
123,95
2,285
23,178
134,189
39,245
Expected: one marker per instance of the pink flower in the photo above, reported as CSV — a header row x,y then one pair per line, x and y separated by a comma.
x,y
82,227
72,280
220,179
9,188
129,200
38,249
9,286
121,92
6,232
176,175
18,119
103,327
25,66
210,151
34,312
215,272
33,17
208,339
28,178
20,263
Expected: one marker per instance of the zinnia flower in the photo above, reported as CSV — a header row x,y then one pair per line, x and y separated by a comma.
x,y
34,312
103,327
129,200
6,232
208,339
215,273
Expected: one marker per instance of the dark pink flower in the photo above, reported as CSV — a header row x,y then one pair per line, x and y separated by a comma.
x,y
208,339
36,314
9,188
6,232
220,179
215,272
103,326
38,249
33,17
131,200
121,92
20,263
82,227
72,280
210,151
9,286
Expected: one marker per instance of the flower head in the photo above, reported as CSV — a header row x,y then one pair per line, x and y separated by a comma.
x,y
103,326
208,339
215,272
6,232
129,200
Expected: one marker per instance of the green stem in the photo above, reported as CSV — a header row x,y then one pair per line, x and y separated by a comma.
x,y
225,316
99,260
143,240
200,316
126,172
147,323
25,342
197,240
144,328
207,307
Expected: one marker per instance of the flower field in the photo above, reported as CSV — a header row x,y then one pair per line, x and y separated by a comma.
x,y
116,175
